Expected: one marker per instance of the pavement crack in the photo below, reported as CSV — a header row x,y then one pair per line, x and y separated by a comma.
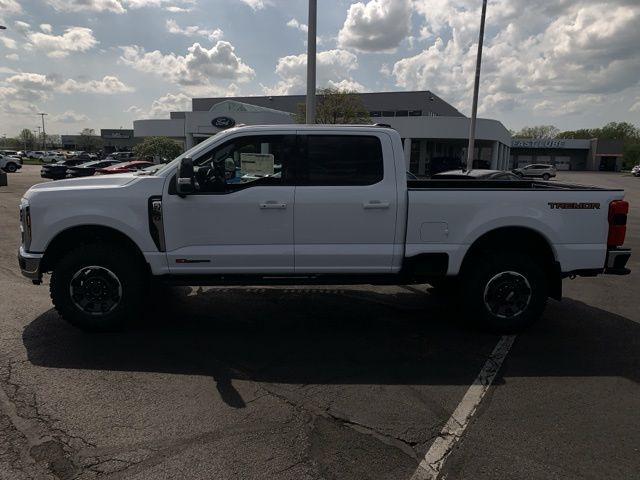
x,y
408,448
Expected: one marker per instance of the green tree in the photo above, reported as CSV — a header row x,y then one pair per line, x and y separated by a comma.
x,y
157,149
631,155
26,138
581,134
89,141
54,141
621,131
539,131
336,106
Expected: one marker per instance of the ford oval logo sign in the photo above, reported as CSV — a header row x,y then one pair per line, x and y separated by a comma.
x,y
223,122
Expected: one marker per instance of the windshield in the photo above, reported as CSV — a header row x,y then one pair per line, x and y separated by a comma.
x,y
192,152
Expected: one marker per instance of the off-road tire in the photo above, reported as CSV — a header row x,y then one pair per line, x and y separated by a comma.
x,y
11,167
127,269
489,276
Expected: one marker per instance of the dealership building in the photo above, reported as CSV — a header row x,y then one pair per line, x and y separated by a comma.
x,y
433,132
568,154
110,140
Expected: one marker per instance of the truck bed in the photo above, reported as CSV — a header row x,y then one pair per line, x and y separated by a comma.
x,y
472,184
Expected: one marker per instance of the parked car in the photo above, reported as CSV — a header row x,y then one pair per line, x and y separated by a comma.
x,y
10,164
89,168
341,211
10,153
124,167
635,171
84,156
53,157
58,170
38,154
477,175
122,156
541,170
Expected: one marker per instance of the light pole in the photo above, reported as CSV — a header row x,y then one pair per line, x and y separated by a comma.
x,y
476,88
311,61
44,133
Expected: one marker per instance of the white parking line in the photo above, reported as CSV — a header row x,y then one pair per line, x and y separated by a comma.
x,y
434,459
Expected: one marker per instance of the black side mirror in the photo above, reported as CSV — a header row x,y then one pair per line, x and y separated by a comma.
x,y
185,181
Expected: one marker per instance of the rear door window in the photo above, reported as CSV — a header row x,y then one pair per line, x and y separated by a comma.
x,y
341,160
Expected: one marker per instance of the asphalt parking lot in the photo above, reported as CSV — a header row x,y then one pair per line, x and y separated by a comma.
x,y
317,383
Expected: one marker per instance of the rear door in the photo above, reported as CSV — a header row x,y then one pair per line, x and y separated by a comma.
x,y
345,203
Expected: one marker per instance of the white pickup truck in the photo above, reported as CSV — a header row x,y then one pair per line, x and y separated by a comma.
x,y
313,205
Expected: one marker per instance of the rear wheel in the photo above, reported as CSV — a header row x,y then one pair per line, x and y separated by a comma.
x,y
506,292
546,176
96,287
11,167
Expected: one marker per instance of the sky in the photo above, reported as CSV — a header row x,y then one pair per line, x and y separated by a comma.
x,y
104,63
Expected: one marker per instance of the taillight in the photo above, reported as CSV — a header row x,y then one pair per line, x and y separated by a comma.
x,y
618,210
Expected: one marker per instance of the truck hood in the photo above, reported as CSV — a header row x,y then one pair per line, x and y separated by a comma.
x,y
83,183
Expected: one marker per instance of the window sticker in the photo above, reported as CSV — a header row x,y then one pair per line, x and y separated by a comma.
x,y
257,164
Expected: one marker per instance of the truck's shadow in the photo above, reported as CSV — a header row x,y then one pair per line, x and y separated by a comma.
x,y
303,336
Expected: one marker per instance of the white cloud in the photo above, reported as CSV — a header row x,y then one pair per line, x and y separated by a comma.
x,y
113,6
12,56
22,27
176,9
109,85
46,28
9,43
190,31
350,85
134,109
30,81
636,106
257,4
31,86
170,103
199,67
70,117
555,107
567,49
377,26
293,23
74,39
10,7
333,68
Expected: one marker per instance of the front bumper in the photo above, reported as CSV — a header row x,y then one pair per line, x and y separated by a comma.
x,y
617,260
30,265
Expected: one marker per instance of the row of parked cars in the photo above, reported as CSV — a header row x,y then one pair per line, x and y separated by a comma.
x,y
74,168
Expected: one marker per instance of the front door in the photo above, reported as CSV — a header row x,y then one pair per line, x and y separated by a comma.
x,y
240,224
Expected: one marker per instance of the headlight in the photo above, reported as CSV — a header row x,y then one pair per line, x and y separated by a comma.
x,y
25,225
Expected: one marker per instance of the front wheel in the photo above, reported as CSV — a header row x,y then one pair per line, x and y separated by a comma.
x,y
546,177
506,292
98,288
11,167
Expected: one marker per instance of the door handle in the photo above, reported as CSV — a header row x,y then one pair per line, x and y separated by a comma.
x,y
375,205
273,205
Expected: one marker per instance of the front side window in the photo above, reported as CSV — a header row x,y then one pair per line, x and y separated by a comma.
x,y
342,160
245,161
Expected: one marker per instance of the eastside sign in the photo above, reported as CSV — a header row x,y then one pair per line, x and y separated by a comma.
x,y
223,122
539,143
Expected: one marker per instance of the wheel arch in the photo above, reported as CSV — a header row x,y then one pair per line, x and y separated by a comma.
x,y
521,240
70,238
